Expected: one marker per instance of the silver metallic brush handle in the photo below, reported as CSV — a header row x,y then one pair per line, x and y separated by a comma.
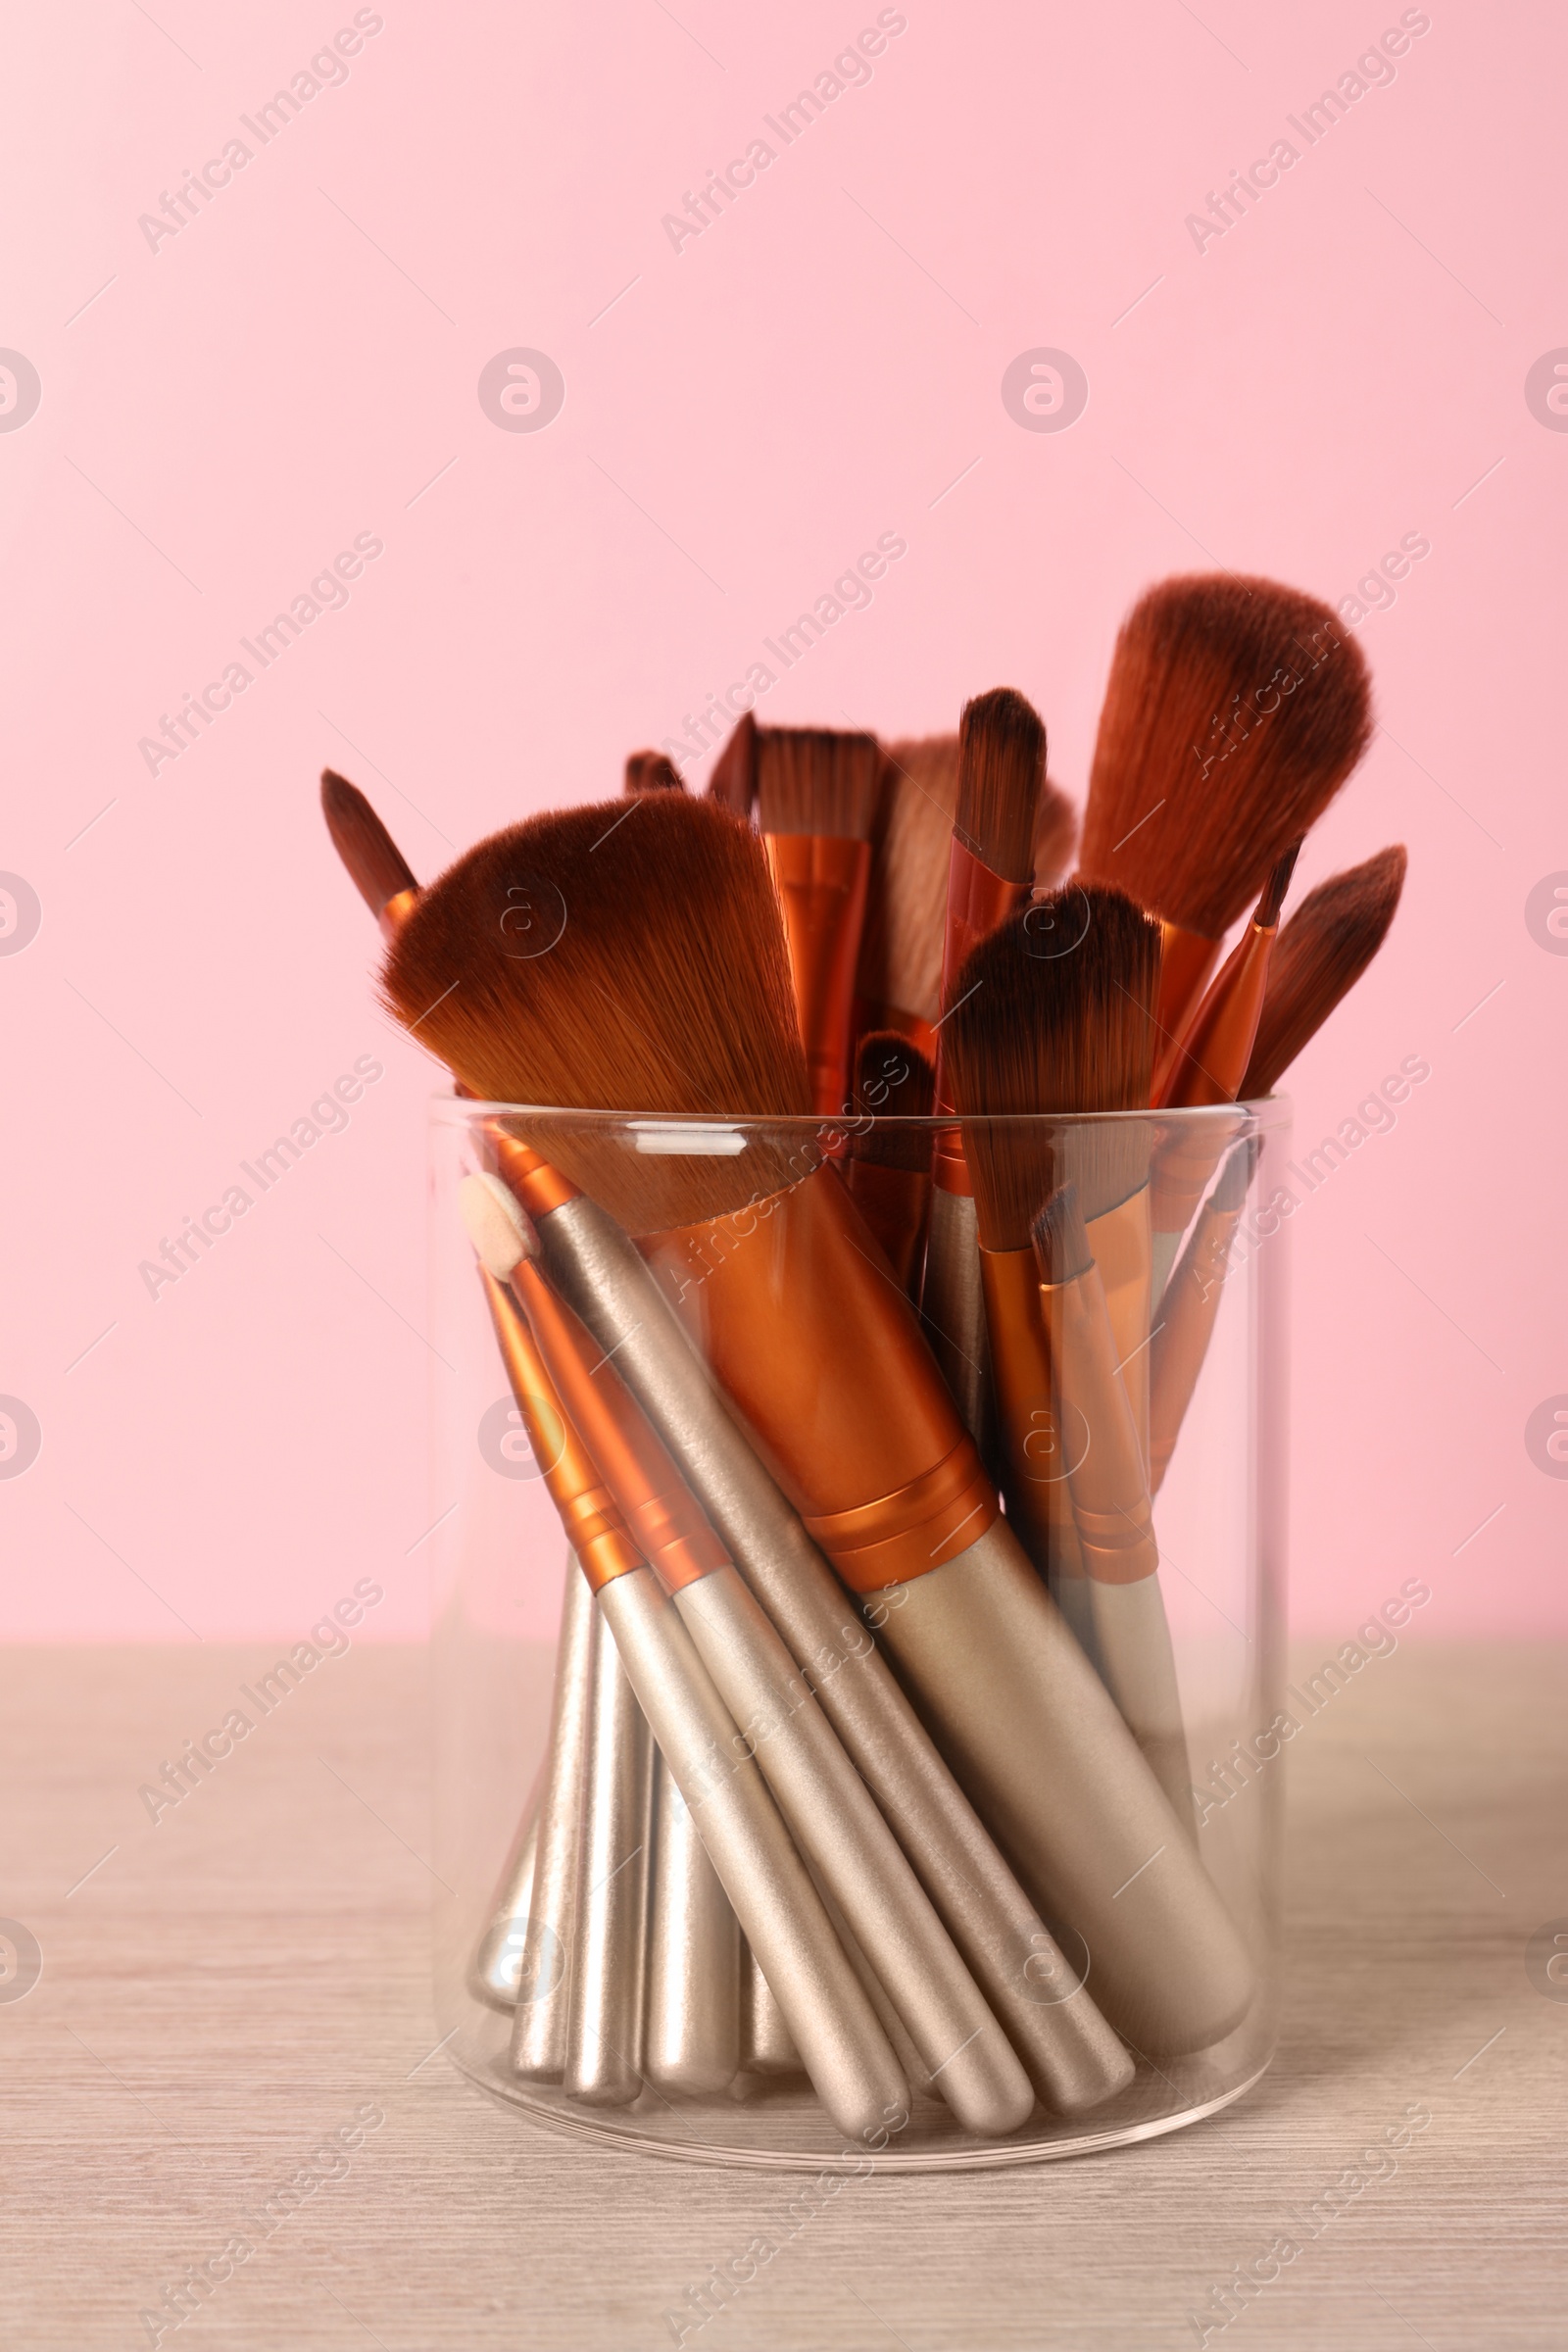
x,y
543,1994
842,2046
1138,1667
692,2040
953,1309
1071,2055
767,2046
498,1956
610,1945
1037,1740
862,1867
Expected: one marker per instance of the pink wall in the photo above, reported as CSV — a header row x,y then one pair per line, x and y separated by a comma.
x,y
299,366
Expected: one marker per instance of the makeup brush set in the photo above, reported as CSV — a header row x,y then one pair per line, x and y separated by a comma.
x,y
852,1199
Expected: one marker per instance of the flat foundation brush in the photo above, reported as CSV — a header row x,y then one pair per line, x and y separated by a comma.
x,y
1320,955
899,982
1234,712
1002,766
889,1166
1110,1500
816,801
668,989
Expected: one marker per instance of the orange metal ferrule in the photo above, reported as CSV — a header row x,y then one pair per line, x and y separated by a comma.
x,y
667,1521
822,1354
822,883
979,901
1210,1061
593,1526
537,1185
1187,1317
893,1203
1109,1493
1187,959
1039,1503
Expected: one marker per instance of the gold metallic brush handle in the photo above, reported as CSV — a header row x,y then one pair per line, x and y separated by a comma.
x,y
767,2046
604,2060
493,1972
692,2040
543,1996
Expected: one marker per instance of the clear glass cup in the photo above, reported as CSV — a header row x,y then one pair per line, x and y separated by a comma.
x,y
761,1350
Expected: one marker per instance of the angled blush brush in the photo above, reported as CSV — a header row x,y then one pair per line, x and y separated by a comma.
x,y
668,989
652,771
374,862
899,982
1002,766
1110,1499
816,803
1321,952
830,1812
1234,712
852,2068
889,1167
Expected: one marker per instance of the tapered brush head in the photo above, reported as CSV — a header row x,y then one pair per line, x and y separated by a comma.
x,y
1234,712
1060,1241
1056,832
652,771
818,781
1002,766
893,1081
607,959
733,780
1054,1012
372,857
907,899
1318,958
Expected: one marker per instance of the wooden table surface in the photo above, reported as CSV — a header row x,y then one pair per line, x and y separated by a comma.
x,y
249,1974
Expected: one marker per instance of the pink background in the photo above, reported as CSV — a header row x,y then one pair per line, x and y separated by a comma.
x,y
300,363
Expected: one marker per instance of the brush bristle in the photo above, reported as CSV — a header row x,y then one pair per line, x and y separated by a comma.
x,y
1061,1243
1234,712
1054,1012
1318,958
372,857
733,780
652,771
892,1080
817,780
1056,832
906,905
610,958
1002,766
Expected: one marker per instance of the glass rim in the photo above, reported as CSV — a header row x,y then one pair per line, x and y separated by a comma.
x,y
1262,1111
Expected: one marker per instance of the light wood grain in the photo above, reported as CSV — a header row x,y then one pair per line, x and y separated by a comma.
x,y
237,1980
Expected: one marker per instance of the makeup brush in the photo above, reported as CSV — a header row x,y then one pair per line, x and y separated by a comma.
x,y
1320,955
1190,1307
817,799
1054,1014
899,982
692,2043
768,2047
1234,712
1055,833
889,1167
844,2051
652,771
1002,766
1207,1068
373,861
1110,1500
604,2058
493,1971
834,1821
732,781
667,987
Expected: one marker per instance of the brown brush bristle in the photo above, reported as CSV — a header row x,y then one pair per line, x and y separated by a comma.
x,y
1054,1012
818,781
733,780
1002,766
906,905
1234,712
1061,1243
615,958
1056,832
1318,958
892,1080
652,771
372,857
